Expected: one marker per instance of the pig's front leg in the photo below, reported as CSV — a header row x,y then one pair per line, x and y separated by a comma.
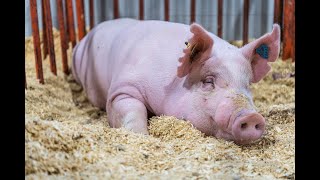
x,y
128,112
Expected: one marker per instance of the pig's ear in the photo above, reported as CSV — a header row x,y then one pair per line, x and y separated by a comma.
x,y
262,51
197,51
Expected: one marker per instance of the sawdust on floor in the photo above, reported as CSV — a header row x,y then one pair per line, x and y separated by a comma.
x,y
66,137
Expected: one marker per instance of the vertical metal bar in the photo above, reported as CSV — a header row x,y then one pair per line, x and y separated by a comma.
x,y
288,29
141,9
220,17
166,10
47,13
245,21
276,11
36,40
192,11
115,9
62,37
44,33
80,20
70,21
65,9
91,11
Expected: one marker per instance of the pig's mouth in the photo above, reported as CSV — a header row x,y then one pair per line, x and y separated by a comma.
x,y
224,135
228,129
224,132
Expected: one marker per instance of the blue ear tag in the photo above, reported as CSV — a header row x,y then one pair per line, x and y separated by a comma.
x,y
263,51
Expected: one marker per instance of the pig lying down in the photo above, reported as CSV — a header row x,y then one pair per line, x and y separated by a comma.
x,y
134,68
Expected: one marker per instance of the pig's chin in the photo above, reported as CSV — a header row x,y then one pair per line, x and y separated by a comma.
x,y
224,135
229,137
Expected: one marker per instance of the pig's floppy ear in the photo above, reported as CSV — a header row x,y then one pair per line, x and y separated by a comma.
x,y
261,51
197,51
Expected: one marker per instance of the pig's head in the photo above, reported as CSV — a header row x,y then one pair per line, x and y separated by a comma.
x,y
217,76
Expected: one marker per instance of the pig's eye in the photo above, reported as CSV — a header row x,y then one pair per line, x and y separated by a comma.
x,y
208,82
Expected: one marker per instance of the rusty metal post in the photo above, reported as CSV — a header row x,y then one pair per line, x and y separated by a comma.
x,y
115,9
166,10
70,20
192,11
80,20
65,9
91,6
220,17
47,12
36,40
62,37
141,9
245,22
276,11
288,29
44,33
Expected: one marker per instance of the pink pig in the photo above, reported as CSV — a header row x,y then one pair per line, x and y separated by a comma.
x,y
135,69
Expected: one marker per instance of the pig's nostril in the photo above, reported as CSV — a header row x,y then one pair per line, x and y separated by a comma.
x,y
244,125
257,126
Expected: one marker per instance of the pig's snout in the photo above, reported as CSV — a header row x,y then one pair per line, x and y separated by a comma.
x,y
248,128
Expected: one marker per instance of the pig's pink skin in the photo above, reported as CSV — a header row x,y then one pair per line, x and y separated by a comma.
x,y
128,67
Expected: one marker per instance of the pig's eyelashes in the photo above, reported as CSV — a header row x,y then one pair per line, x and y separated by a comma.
x,y
208,80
